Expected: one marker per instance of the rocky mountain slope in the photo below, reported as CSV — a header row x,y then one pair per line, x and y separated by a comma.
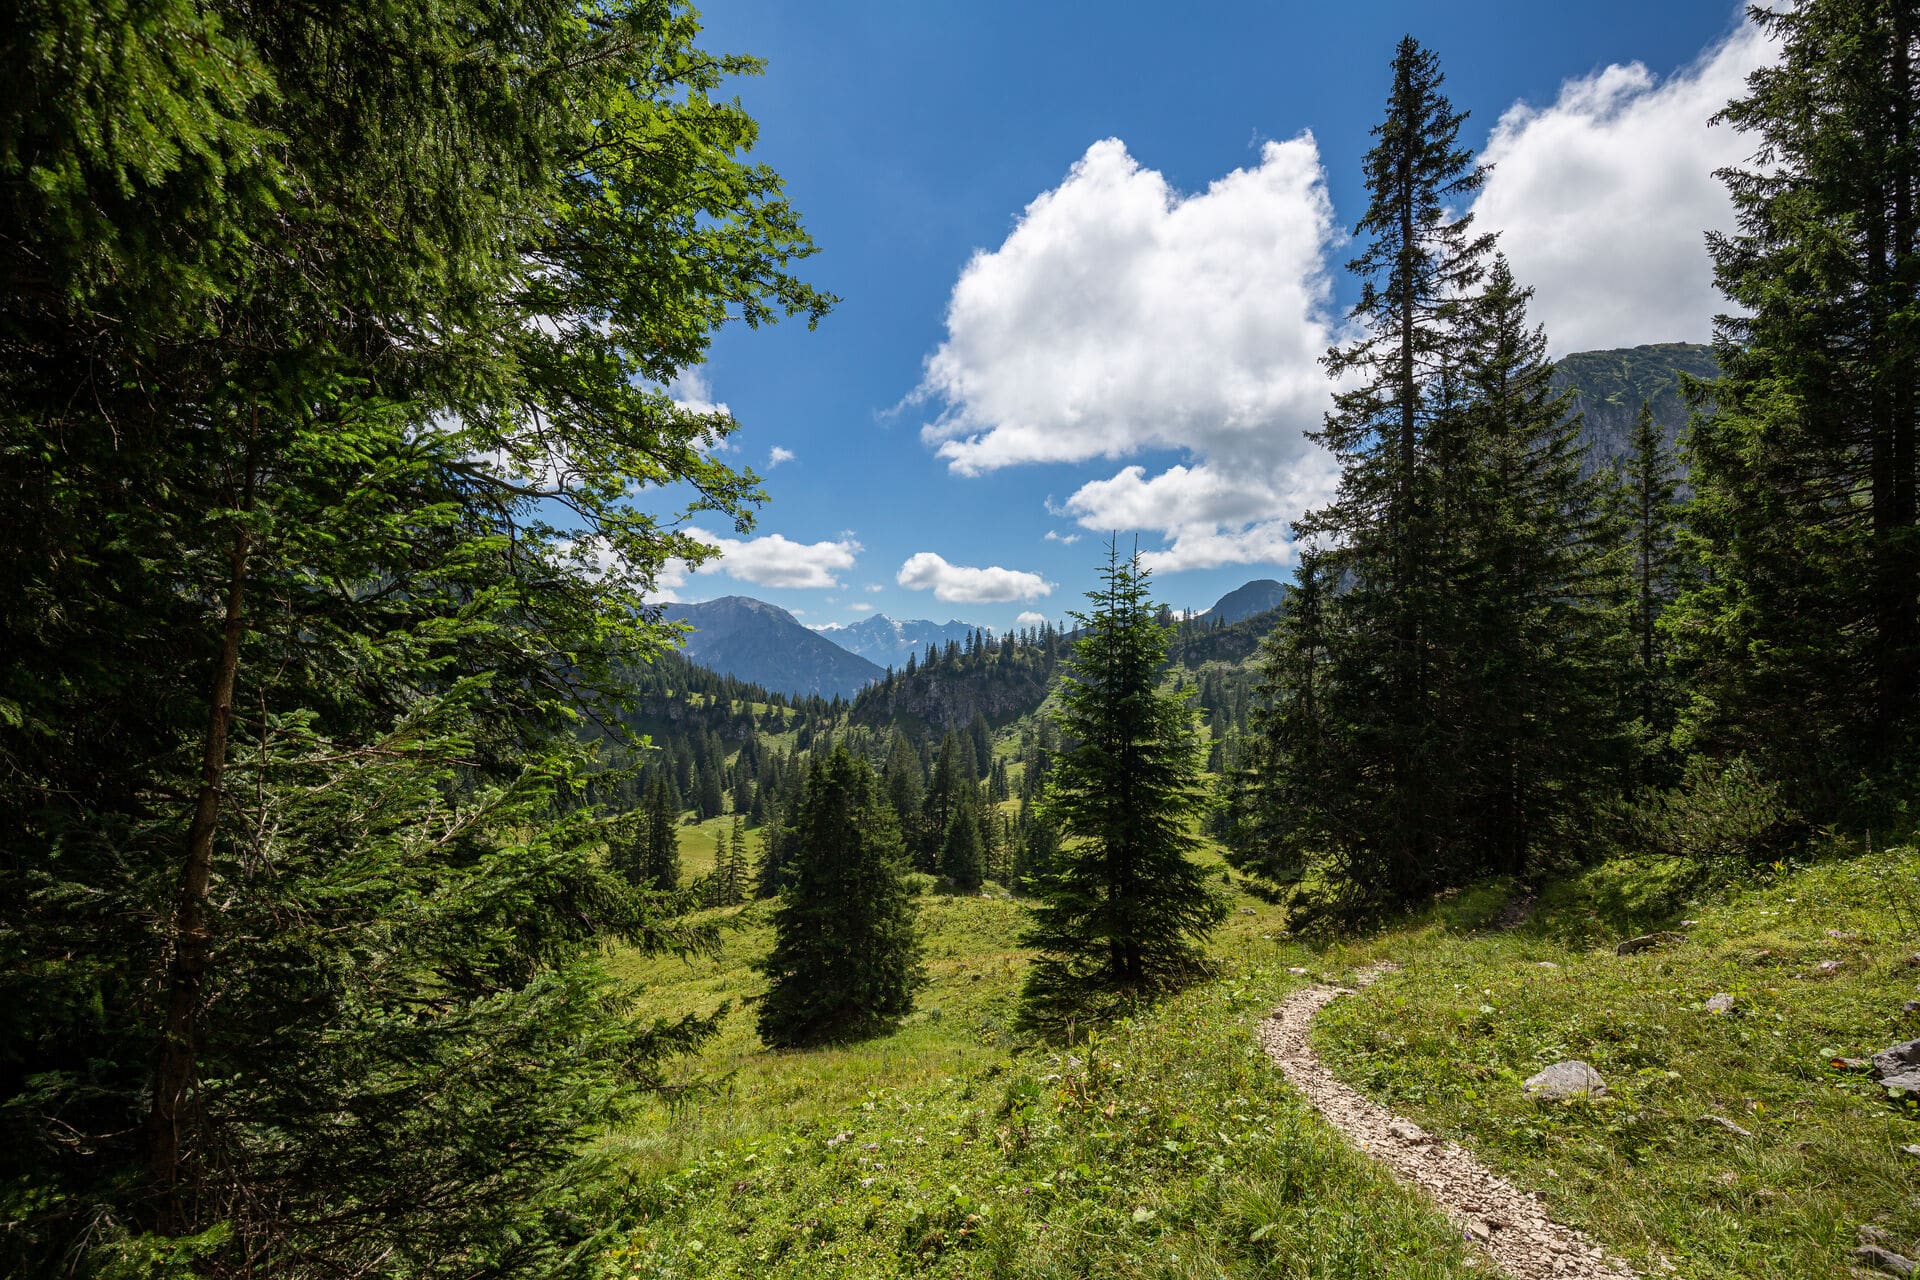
x,y
1610,386
761,643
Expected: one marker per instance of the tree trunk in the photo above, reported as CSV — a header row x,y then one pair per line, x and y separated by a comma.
x,y
191,937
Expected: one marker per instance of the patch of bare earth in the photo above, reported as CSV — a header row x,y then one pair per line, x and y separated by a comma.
x,y
1506,1222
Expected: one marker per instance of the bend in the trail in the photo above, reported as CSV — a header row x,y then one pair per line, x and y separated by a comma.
x,y
1506,1222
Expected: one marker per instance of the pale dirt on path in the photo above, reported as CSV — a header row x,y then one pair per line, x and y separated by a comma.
x,y
1509,1224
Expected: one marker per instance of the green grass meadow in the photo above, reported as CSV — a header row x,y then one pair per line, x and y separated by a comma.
x,y
1167,1146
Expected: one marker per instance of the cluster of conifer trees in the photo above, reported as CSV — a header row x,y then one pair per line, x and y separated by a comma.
x,y
1496,656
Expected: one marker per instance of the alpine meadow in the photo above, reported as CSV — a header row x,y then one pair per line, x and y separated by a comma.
x,y
913,653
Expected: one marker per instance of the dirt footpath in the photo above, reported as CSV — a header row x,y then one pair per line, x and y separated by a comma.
x,y
1509,1224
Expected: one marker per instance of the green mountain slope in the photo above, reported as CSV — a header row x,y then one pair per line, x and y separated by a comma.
x,y
1610,386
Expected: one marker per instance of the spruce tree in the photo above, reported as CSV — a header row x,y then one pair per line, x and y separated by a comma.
x,y
981,739
1653,514
1534,714
660,837
963,855
846,954
1386,806
1800,634
1123,912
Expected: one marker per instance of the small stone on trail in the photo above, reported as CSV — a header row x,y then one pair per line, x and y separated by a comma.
x,y
1407,1131
1688,924
1870,1234
1911,1006
1248,911
1565,1080
1829,967
1645,942
1883,1259
1296,971
1721,1003
1545,964
1722,1122
1912,1149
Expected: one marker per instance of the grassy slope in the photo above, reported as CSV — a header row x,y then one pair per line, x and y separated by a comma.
x,y
1168,1148
1474,1012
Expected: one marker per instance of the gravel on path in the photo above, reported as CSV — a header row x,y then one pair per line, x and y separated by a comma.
x,y
1506,1222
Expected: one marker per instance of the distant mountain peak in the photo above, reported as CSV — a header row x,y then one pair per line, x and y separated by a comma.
x,y
1244,601
762,643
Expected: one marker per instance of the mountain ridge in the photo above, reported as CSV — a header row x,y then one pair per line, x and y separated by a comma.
x,y
763,644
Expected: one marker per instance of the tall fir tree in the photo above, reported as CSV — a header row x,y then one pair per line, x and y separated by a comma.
x,y
1534,711
963,853
1650,480
1390,812
1123,912
845,960
1800,636
661,839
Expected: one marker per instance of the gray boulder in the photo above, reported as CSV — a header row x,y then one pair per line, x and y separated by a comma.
x,y
1884,1259
1646,942
1899,1067
1565,1080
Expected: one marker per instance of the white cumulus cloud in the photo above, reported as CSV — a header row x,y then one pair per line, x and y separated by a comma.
x,y
770,561
1603,198
778,455
1122,315
958,584
1067,539
1028,618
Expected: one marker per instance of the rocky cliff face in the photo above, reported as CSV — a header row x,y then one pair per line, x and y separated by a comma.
x,y
1610,386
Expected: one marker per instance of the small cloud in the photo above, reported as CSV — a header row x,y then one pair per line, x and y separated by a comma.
x,y
778,455
691,393
1028,618
1064,539
960,584
860,608
876,587
771,561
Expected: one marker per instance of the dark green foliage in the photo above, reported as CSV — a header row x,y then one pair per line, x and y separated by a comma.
x,y
1653,515
302,610
1444,694
659,841
963,854
951,780
1123,913
1801,637
979,736
846,955
1536,720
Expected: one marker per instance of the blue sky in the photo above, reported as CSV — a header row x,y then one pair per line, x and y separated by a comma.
x,y
1135,352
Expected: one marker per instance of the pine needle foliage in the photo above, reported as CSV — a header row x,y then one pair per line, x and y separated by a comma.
x,y
1123,911
1800,634
845,961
